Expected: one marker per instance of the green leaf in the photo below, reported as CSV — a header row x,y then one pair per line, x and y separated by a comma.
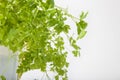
x,y
75,46
76,53
2,77
83,24
78,28
72,41
66,28
82,34
83,15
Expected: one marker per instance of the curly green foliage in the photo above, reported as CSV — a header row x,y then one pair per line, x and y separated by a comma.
x,y
33,28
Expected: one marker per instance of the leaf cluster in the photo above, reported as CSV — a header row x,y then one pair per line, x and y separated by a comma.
x,y
33,28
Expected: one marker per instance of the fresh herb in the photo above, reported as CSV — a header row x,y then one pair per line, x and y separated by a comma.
x,y
33,28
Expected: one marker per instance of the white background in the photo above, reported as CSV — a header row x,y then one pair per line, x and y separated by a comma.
x,y
100,53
